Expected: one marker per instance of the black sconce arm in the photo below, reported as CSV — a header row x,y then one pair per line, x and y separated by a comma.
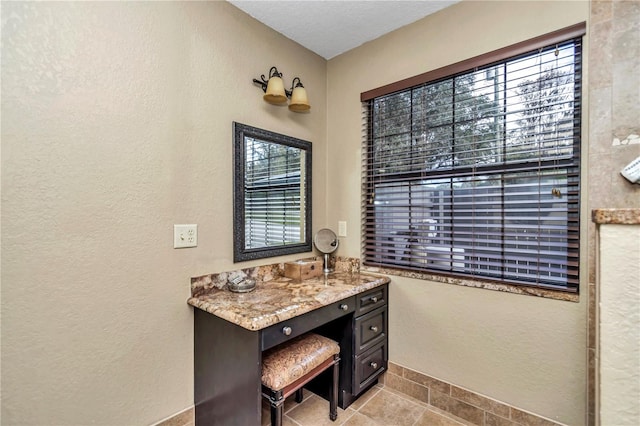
x,y
273,72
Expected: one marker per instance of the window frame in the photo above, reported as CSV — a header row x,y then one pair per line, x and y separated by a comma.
x,y
565,35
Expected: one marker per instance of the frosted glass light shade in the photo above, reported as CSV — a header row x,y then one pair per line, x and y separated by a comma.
x,y
299,101
275,91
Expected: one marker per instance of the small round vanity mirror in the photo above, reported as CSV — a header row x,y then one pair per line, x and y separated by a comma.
x,y
326,242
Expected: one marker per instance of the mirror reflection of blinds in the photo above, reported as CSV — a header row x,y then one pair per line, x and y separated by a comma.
x,y
477,174
272,195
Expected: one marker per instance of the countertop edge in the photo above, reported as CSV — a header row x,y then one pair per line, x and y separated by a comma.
x,y
627,216
211,308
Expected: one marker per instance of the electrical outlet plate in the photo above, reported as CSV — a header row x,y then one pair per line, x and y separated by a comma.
x,y
185,236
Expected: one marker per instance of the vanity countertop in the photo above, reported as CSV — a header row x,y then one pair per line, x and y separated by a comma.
x,y
279,299
616,216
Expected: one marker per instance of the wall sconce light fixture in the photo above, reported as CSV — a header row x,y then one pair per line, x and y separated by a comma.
x,y
275,93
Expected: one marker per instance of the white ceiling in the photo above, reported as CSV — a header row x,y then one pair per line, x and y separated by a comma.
x,y
332,27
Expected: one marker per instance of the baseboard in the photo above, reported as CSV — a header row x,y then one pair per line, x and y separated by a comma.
x,y
185,417
470,406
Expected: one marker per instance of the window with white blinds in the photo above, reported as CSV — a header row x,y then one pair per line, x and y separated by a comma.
x,y
476,173
272,199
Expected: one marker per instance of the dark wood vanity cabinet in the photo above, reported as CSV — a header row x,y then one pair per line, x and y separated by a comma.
x,y
370,340
371,351
227,357
363,340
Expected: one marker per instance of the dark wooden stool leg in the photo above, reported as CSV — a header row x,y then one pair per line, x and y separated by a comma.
x,y
276,402
299,396
333,391
276,415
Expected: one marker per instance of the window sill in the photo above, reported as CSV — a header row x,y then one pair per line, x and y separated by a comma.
x,y
488,285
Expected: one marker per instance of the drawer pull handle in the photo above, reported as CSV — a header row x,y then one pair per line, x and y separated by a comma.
x,y
374,299
374,365
373,328
286,331
344,306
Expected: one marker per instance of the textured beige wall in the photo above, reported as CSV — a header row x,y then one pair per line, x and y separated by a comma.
x,y
619,291
614,90
116,124
526,351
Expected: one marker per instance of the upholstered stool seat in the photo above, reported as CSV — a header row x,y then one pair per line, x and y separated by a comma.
x,y
286,368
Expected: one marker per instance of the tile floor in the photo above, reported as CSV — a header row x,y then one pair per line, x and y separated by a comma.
x,y
380,406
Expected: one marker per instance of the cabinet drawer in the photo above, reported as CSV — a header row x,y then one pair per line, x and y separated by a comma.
x,y
369,366
296,326
371,300
371,329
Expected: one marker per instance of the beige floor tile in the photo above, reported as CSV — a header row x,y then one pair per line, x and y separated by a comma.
x,y
390,409
450,416
431,418
314,411
379,406
358,403
405,396
286,421
360,420
289,404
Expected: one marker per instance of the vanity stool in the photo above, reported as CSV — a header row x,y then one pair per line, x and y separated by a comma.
x,y
287,367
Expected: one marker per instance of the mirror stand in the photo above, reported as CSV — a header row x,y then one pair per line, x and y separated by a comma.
x,y
326,242
327,265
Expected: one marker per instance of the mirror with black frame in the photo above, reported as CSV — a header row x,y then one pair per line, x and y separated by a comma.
x,y
272,194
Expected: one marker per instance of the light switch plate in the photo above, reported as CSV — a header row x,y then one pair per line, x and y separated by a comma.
x,y
185,236
342,228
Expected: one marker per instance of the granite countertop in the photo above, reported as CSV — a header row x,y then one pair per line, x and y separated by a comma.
x,y
277,298
616,216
